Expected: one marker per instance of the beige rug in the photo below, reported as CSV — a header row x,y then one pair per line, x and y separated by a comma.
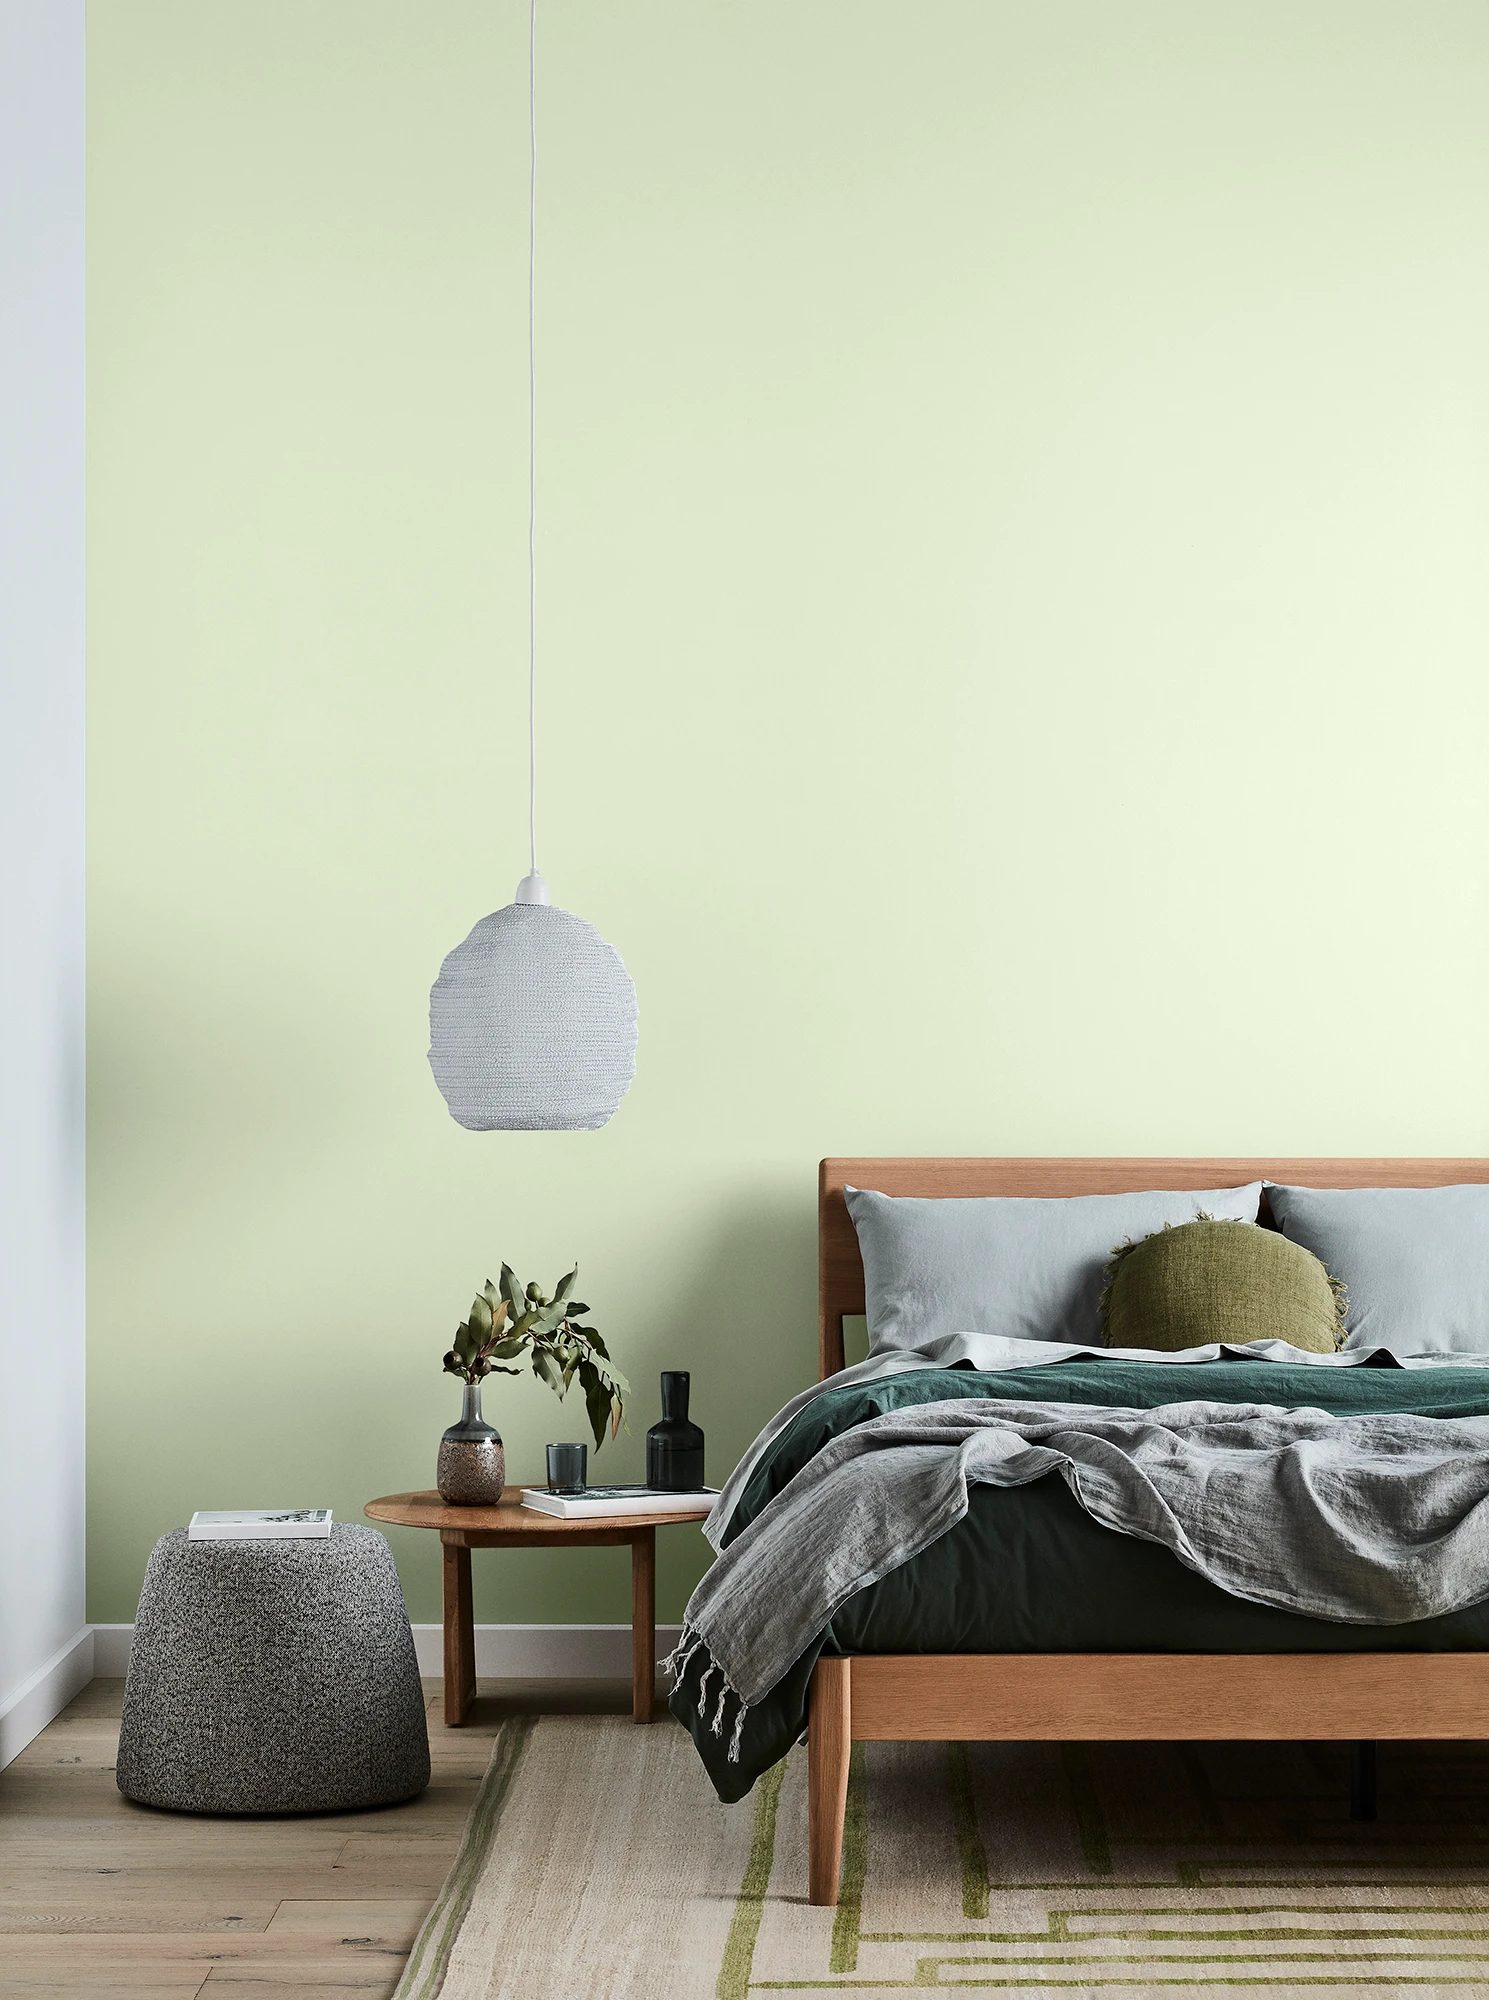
x,y
598,1865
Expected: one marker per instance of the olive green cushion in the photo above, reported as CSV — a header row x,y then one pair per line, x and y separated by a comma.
x,y
1207,1281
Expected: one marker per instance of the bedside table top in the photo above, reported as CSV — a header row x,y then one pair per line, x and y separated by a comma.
x,y
511,1518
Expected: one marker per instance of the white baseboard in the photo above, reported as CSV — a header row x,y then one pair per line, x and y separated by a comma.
x,y
503,1652
111,1644
44,1694
544,1652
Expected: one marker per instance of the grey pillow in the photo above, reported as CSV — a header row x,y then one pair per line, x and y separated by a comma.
x,y
1006,1264
1415,1261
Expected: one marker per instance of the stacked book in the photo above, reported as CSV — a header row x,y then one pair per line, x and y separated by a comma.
x,y
595,1502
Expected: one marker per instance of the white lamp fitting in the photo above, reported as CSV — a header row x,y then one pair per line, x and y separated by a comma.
x,y
532,1021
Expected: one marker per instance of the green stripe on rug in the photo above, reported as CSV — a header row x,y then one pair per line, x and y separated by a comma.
x,y
926,1968
739,1947
925,1977
425,1971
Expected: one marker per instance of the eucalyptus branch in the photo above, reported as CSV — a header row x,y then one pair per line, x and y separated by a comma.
x,y
509,1320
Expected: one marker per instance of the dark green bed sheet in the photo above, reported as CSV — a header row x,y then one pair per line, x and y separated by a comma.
x,y
1028,1570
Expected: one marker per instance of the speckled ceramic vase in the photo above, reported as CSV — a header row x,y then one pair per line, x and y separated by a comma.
x,y
472,1463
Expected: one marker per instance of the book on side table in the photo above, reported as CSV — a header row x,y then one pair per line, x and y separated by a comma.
x,y
594,1502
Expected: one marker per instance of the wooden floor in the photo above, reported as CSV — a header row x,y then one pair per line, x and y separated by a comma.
x,y
99,1897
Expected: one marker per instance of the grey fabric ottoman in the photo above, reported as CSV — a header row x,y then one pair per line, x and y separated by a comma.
x,y
273,1677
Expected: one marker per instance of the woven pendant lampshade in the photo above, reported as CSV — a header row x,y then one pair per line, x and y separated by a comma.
x,y
532,1024
532,1021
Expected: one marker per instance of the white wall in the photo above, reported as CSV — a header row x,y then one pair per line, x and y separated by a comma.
x,y
45,1648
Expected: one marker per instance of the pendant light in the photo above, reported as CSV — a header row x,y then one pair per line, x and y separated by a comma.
x,y
532,1021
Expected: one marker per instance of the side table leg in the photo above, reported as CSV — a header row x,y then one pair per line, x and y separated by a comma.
x,y
643,1623
460,1636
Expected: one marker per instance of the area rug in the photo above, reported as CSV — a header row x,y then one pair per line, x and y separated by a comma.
x,y
598,1865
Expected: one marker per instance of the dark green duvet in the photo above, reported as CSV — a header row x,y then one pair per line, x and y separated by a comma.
x,y
1028,1570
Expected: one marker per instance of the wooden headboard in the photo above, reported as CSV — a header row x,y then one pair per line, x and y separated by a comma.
x,y
840,1268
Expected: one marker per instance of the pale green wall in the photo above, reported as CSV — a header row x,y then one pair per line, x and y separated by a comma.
x,y
1015,625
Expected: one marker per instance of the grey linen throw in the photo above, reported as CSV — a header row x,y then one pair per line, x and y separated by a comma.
x,y
1372,1520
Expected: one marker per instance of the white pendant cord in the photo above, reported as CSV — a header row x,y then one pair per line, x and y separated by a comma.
x,y
532,888
532,435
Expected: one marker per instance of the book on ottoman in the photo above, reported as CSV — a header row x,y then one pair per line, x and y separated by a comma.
x,y
262,1524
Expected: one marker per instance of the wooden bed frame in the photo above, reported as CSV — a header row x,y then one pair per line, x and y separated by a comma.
x,y
1065,1697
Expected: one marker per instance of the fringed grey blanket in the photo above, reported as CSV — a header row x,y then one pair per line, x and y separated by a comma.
x,y
1374,1520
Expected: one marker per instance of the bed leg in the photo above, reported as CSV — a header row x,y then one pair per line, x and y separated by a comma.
x,y
829,1741
1362,1781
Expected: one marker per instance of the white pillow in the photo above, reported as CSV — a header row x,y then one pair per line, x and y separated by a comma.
x,y
1029,1269
1415,1261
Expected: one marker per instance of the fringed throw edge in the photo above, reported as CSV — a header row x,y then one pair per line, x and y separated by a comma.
x,y
689,1647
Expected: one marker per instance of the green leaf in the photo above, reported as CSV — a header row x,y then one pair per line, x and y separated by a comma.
x,y
597,1406
493,1296
511,1290
577,1311
480,1317
617,1411
547,1370
466,1344
565,1286
505,1349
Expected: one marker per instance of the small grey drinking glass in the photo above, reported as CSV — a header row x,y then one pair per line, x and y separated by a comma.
x,y
567,1466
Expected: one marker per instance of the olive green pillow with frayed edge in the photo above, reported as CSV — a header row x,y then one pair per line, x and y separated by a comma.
x,y
1206,1282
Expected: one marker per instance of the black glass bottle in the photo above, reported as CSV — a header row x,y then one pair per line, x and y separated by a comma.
x,y
674,1447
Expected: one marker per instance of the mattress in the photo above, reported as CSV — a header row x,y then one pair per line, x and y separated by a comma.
x,y
1028,1570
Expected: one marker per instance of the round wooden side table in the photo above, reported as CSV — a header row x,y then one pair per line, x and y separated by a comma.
x,y
510,1525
